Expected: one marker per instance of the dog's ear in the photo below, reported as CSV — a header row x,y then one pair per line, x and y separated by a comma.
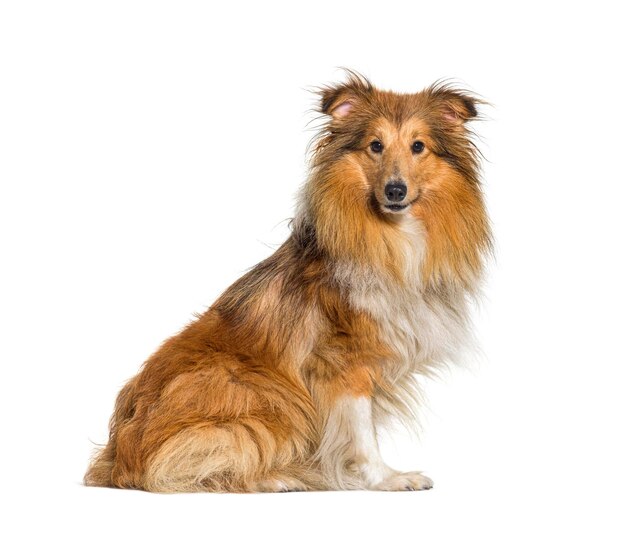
x,y
340,100
454,106
338,106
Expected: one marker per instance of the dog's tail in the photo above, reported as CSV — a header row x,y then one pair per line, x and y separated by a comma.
x,y
99,473
199,458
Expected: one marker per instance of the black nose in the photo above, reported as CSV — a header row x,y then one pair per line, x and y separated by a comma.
x,y
395,191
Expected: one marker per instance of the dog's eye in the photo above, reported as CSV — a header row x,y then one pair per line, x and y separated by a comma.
x,y
417,147
376,146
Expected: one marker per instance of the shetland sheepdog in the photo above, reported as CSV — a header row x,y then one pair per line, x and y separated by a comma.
x,y
281,384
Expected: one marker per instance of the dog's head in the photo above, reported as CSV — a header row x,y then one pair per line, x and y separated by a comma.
x,y
408,155
406,145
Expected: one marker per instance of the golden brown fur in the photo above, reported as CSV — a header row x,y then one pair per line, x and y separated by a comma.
x,y
279,384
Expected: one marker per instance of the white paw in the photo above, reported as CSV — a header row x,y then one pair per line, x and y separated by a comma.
x,y
405,481
287,484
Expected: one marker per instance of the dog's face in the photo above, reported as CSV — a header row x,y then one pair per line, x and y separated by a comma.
x,y
396,162
407,147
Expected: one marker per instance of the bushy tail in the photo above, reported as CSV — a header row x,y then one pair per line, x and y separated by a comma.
x,y
99,472
101,466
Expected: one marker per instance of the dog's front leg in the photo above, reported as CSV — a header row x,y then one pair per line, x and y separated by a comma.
x,y
349,453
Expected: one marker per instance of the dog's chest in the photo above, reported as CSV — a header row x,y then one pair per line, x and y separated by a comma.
x,y
423,333
422,329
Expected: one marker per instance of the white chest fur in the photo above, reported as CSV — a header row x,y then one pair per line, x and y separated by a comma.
x,y
425,329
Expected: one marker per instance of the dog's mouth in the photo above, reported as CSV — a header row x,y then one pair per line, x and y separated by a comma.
x,y
395,207
398,208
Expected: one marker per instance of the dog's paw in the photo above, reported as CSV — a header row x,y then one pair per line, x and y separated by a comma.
x,y
283,484
405,481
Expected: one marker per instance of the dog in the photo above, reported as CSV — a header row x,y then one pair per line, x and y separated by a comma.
x,y
281,384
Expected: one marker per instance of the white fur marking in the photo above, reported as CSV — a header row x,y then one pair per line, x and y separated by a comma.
x,y
423,331
350,437
373,469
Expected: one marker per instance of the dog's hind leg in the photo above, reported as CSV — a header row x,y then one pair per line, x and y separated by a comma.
x,y
205,457
244,429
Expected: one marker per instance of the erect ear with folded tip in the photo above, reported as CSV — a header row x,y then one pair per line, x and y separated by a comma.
x,y
338,102
456,107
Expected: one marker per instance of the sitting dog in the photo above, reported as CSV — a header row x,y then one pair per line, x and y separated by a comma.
x,y
281,384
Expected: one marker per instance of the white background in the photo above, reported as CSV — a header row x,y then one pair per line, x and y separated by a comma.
x,y
127,127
